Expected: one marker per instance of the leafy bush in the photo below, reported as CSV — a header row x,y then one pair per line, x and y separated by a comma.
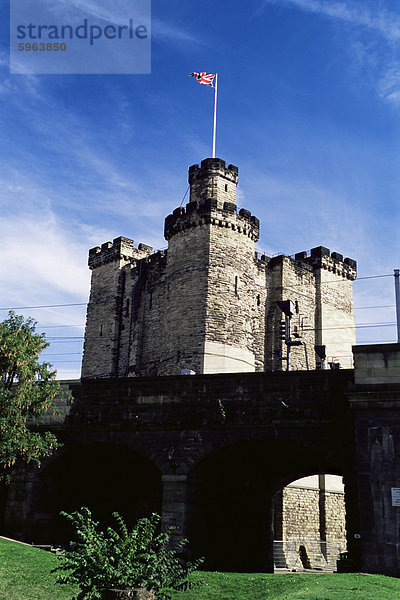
x,y
119,558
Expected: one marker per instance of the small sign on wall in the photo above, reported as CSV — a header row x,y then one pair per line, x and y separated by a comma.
x,y
395,496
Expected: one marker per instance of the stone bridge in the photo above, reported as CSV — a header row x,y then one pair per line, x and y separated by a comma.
x,y
210,452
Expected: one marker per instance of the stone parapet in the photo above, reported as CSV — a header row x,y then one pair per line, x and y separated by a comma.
x,y
377,364
208,211
322,258
121,248
213,179
213,166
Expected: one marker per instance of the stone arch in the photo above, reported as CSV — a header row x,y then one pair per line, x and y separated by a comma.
x,y
230,499
103,476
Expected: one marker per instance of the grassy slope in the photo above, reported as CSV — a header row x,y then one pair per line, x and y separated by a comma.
x,y
25,575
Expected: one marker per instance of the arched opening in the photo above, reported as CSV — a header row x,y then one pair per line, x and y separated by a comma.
x,y
104,477
230,515
310,523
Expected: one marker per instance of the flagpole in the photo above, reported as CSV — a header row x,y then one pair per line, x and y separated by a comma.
x,y
215,115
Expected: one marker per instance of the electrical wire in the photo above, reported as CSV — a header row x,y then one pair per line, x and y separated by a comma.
x,y
275,287
43,306
381,306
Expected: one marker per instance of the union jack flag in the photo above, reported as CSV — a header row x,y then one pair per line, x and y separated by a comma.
x,y
204,78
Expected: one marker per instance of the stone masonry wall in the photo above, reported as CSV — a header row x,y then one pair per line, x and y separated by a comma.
x,y
300,518
320,288
108,312
336,321
313,530
295,281
146,325
236,296
186,274
301,514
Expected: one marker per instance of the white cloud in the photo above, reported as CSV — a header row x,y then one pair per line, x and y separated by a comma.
x,y
371,63
390,85
165,31
118,11
371,17
39,262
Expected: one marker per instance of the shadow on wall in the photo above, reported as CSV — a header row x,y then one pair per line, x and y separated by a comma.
x,y
104,477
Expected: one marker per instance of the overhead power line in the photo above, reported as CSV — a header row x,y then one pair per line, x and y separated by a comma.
x,y
276,287
374,277
380,306
71,339
61,354
43,306
54,326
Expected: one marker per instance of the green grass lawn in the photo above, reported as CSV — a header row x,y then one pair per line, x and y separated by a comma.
x,y
292,586
25,575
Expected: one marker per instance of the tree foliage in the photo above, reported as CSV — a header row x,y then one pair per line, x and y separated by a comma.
x,y
123,559
27,391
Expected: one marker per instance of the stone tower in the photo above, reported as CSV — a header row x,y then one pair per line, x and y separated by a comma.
x,y
209,302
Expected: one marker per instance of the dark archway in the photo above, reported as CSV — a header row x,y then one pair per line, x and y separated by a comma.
x,y
230,501
104,477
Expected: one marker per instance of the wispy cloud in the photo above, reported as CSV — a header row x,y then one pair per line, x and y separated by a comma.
x,y
119,10
164,31
373,63
372,17
40,261
315,214
390,85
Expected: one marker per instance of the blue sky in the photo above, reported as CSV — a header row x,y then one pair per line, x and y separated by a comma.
x,y
309,105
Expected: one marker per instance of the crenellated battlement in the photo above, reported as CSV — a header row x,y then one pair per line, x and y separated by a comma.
x,y
158,257
121,248
209,211
213,179
322,258
213,166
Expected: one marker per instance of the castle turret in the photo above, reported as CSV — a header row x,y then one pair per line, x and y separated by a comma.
x,y
108,306
217,287
213,179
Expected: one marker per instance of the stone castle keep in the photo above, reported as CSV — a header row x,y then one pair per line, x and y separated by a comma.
x,y
240,457
208,303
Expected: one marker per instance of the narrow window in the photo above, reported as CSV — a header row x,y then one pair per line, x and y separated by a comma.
x,y
296,306
226,187
236,285
101,330
258,300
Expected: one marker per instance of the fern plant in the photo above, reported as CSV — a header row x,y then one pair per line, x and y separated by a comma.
x,y
119,558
